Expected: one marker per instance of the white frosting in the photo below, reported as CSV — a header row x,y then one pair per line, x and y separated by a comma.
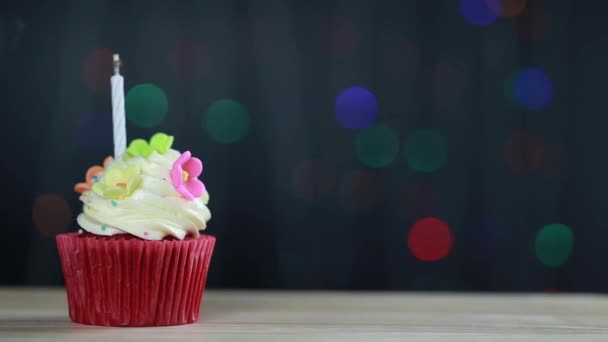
x,y
153,211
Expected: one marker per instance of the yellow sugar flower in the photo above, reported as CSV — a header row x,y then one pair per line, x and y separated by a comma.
x,y
118,183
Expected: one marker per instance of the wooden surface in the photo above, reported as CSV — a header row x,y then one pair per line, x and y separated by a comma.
x,y
41,315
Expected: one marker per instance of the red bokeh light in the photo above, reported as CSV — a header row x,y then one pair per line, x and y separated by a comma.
x,y
555,161
533,23
524,152
506,8
51,214
419,200
255,40
430,239
98,68
448,87
359,191
188,59
340,37
312,180
401,59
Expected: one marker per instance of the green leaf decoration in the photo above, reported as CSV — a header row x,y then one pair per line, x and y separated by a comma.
x,y
160,142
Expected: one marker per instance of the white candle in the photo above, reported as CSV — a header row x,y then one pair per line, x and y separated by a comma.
x,y
118,110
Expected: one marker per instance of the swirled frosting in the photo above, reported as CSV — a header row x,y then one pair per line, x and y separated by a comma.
x,y
153,210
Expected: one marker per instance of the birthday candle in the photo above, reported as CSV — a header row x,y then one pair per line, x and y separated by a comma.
x,y
118,110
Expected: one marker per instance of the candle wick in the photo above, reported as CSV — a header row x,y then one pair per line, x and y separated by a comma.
x,y
116,58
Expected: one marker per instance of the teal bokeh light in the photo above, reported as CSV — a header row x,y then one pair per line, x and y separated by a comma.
x,y
426,151
377,146
226,121
146,105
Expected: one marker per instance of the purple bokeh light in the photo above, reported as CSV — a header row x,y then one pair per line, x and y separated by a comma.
x,y
488,234
532,88
477,12
340,37
94,132
356,108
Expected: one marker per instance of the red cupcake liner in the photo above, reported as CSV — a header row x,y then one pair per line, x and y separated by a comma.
x,y
126,281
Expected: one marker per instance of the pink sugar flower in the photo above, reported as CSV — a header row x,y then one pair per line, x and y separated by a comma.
x,y
184,175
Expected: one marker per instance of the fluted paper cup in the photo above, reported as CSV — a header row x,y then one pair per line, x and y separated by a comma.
x,y
122,280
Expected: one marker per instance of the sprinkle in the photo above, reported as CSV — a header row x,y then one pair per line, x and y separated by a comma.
x,y
103,228
80,231
114,203
146,233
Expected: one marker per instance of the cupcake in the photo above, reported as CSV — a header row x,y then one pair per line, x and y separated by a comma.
x,y
139,259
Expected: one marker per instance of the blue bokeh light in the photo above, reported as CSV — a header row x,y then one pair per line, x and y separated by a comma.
x,y
356,108
477,12
532,88
94,132
487,235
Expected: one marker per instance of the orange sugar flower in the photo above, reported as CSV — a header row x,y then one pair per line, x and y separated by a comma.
x,y
91,176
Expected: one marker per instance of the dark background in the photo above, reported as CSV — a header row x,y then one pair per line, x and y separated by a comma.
x,y
515,100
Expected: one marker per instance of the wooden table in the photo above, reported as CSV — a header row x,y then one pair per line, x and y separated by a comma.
x,y
41,315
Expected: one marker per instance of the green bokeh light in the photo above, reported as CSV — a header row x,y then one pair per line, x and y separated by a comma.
x,y
554,244
508,88
426,151
226,121
377,146
146,105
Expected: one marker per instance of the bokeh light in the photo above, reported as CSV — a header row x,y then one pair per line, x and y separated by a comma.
x,y
401,59
187,59
531,88
448,86
554,244
340,37
226,121
377,146
51,214
419,200
489,229
11,32
477,12
430,239
160,18
312,180
509,86
498,54
97,69
356,108
487,233
524,152
94,132
255,39
533,23
359,192
426,151
555,161
506,8
146,105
